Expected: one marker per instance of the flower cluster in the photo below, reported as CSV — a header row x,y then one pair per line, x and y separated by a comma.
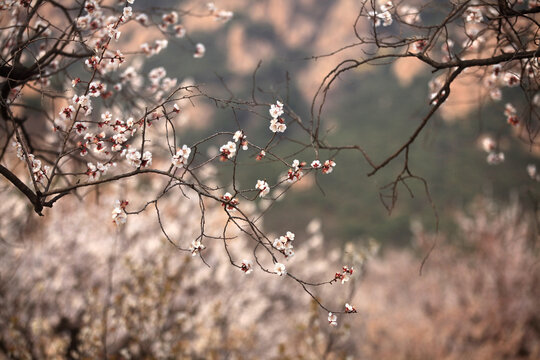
x,y
227,151
84,102
39,171
20,152
155,49
284,244
122,130
102,29
181,156
179,31
332,319
349,308
240,136
196,247
419,45
498,78
119,215
134,158
126,14
295,173
511,79
382,17
168,19
92,141
409,14
494,157
219,14
436,90
344,275
96,89
67,112
327,168
263,187
511,114
94,172
277,124
473,14
160,84
118,140
229,203
260,155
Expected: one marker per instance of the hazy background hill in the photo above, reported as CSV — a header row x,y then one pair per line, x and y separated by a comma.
x,y
376,107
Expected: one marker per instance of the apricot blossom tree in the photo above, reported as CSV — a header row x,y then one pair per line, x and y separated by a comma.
x,y
79,113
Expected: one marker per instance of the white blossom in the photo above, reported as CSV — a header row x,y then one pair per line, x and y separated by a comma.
x,y
127,13
276,110
228,150
532,172
196,247
200,49
332,319
495,158
280,269
473,14
409,14
118,214
328,166
247,266
263,187
277,125
181,156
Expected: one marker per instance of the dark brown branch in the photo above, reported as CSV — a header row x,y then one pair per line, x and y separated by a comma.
x,y
34,199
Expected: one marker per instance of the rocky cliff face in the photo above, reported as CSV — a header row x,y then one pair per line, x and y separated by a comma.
x,y
309,27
